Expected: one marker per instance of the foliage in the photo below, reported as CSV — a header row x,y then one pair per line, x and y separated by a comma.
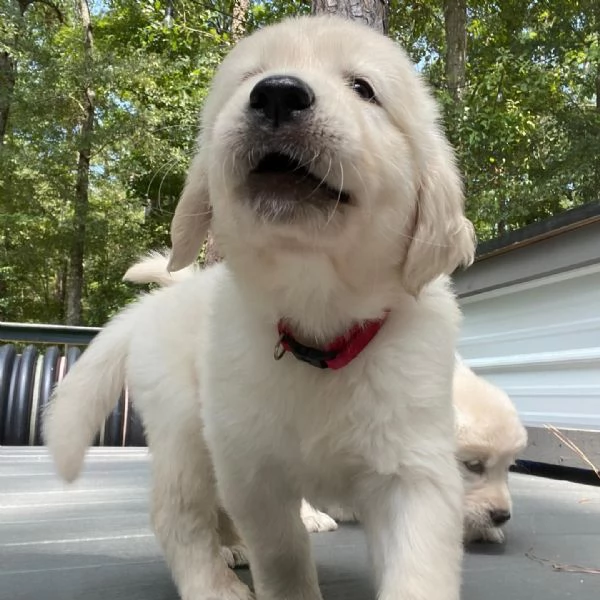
x,y
527,130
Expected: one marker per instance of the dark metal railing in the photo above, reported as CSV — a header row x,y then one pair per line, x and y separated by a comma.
x,y
33,359
35,333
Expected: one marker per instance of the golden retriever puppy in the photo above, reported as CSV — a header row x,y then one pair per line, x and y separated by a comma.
x,y
316,361
153,269
490,436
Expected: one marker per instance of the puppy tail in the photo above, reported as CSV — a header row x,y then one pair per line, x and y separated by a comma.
x,y
85,397
153,269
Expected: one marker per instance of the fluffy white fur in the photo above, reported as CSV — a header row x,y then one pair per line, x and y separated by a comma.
x,y
153,269
373,224
490,436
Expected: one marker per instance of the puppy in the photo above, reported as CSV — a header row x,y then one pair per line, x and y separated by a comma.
x,y
321,351
490,436
153,269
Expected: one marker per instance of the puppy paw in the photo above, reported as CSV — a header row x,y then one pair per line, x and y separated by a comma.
x,y
494,535
490,535
342,515
316,521
234,556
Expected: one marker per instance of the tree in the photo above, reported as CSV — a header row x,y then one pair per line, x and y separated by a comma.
x,y
455,25
370,12
8,61
149,81
82,183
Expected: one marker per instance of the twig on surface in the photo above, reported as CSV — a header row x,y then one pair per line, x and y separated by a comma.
x,y
574,447
560,567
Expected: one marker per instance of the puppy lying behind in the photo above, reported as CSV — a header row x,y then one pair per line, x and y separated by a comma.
x,y
490,436
321,351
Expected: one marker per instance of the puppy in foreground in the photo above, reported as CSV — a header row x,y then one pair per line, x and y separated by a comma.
x,y
490,436
317,360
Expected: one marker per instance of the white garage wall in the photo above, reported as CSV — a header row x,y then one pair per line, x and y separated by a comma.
x,y
540,342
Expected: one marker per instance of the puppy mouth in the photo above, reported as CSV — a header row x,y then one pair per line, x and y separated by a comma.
x,y
282,176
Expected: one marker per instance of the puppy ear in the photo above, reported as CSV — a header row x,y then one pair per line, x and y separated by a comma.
x,y
442,238
191,221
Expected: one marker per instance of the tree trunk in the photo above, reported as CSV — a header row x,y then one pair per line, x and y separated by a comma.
x,y
211,254
597,28
238,29
371,12
8,78
7,86
240,14
455,24
81,200
598,84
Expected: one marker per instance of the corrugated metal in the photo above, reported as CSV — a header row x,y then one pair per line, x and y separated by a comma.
x,y
540,341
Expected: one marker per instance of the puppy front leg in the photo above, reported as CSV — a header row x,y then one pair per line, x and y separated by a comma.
x,y
414,527
266,510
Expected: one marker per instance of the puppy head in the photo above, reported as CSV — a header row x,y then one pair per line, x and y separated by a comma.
x,y
489,436
318,137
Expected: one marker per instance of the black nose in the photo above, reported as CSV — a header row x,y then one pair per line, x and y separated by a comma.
x,y
499,517
280,97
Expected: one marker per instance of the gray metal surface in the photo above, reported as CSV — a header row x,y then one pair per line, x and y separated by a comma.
x,y
545,447
564,251
92,540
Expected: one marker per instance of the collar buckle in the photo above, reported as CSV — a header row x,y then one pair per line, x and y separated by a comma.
x,y
279,350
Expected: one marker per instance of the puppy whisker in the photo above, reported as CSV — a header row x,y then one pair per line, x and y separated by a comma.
x,y
337,202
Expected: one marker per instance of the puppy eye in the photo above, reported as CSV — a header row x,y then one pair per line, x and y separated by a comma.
x,y
474,466
363,89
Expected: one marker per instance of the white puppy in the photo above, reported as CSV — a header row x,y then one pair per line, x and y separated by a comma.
x,y
490,436
153,269
336,203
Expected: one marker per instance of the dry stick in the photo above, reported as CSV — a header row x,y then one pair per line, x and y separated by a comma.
x,y
570,444
544,561
561,567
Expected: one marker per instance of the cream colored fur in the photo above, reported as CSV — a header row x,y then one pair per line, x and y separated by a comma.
x,y
488,431
379,433
153,269
490,436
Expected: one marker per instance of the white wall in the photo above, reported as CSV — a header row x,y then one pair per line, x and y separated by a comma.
x,y
540,342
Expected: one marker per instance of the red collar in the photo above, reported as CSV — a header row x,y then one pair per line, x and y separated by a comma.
x,y
335,355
